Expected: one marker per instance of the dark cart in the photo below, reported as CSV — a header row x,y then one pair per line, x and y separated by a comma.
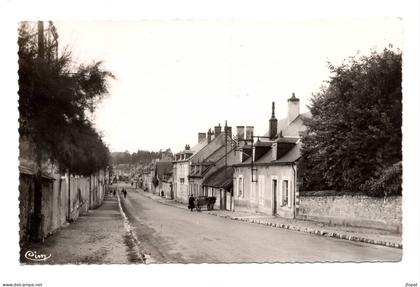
x,y
205,201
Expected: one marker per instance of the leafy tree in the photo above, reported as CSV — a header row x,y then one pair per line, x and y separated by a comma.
x,y
355,130
54,99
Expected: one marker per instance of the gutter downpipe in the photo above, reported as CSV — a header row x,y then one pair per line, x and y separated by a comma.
x,y
69,197
294,190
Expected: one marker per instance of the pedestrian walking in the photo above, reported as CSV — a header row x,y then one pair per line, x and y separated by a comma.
x,y
124,192
114,193
191,204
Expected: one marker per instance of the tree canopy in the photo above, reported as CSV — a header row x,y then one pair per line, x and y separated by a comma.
x,y
354,134
141,156
55,99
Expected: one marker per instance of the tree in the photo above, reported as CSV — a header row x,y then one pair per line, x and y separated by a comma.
x,y
355,130
54,99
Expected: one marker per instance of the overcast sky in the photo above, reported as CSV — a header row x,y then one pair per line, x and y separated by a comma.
x,y
178,78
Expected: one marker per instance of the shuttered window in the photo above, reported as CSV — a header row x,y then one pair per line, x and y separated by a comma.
x,y
285,192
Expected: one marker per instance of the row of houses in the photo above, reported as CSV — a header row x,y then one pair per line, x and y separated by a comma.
x,y
244,171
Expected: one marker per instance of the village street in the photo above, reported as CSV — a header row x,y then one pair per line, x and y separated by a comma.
x,y
175,235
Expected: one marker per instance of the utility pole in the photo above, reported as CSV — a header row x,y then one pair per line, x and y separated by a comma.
x,y
41,48
69,196
37,219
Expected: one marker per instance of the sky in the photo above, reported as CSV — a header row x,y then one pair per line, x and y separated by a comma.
x,y
175,78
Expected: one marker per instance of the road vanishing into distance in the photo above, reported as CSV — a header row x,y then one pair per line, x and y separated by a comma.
x,y
174,235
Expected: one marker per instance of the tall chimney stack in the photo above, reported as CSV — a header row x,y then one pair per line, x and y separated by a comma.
x,y
228,130
209,133
240,132
293,109
249,132
272,123
217,130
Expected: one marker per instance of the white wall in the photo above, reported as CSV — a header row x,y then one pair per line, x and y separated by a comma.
x,y
258,196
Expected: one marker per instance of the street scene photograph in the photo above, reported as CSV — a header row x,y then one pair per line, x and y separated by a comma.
x,y
210,141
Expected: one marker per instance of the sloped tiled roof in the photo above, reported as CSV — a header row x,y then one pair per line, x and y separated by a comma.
x,y
216,155
292,129
162,168
210,148
199,146
290,156
222,178
192,151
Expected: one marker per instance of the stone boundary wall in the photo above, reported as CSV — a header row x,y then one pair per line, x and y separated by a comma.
x,y
85,193
362,211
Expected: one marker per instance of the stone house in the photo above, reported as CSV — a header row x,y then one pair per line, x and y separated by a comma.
x,y
192,165
181,168
163,178
204,162
220,185
265,180
218,181
146,179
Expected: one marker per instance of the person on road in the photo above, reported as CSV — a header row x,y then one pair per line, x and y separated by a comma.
x,y
191,204
124,192
114,193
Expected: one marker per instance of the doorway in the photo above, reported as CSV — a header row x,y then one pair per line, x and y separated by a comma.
x,y
274,195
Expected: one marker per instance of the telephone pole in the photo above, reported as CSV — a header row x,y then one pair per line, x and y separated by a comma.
x,y
41,40
37,219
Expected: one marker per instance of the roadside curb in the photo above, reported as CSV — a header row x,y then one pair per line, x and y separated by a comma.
x,y
141,254
314,231
319,232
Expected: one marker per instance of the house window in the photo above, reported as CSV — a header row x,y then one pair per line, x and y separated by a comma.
x,y
285,192
240,186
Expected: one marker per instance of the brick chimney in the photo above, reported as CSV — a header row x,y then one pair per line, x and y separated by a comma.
x,y
293,109
272,123
201,136
249,132
240,132
209,133
228,130
217,130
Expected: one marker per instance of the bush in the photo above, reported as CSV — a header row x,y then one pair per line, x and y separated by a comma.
x,y
387,183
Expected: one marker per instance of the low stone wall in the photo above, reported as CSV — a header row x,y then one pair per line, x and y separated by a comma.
x,y
358,210
55,200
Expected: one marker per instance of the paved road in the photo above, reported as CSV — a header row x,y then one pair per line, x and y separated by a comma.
x,y
176,235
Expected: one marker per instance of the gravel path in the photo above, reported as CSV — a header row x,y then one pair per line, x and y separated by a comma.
x,y
98,237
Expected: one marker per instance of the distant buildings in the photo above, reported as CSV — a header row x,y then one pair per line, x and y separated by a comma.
x,y
246,171
256,173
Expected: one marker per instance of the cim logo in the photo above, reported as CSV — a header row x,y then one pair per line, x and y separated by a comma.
x,y
33,256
